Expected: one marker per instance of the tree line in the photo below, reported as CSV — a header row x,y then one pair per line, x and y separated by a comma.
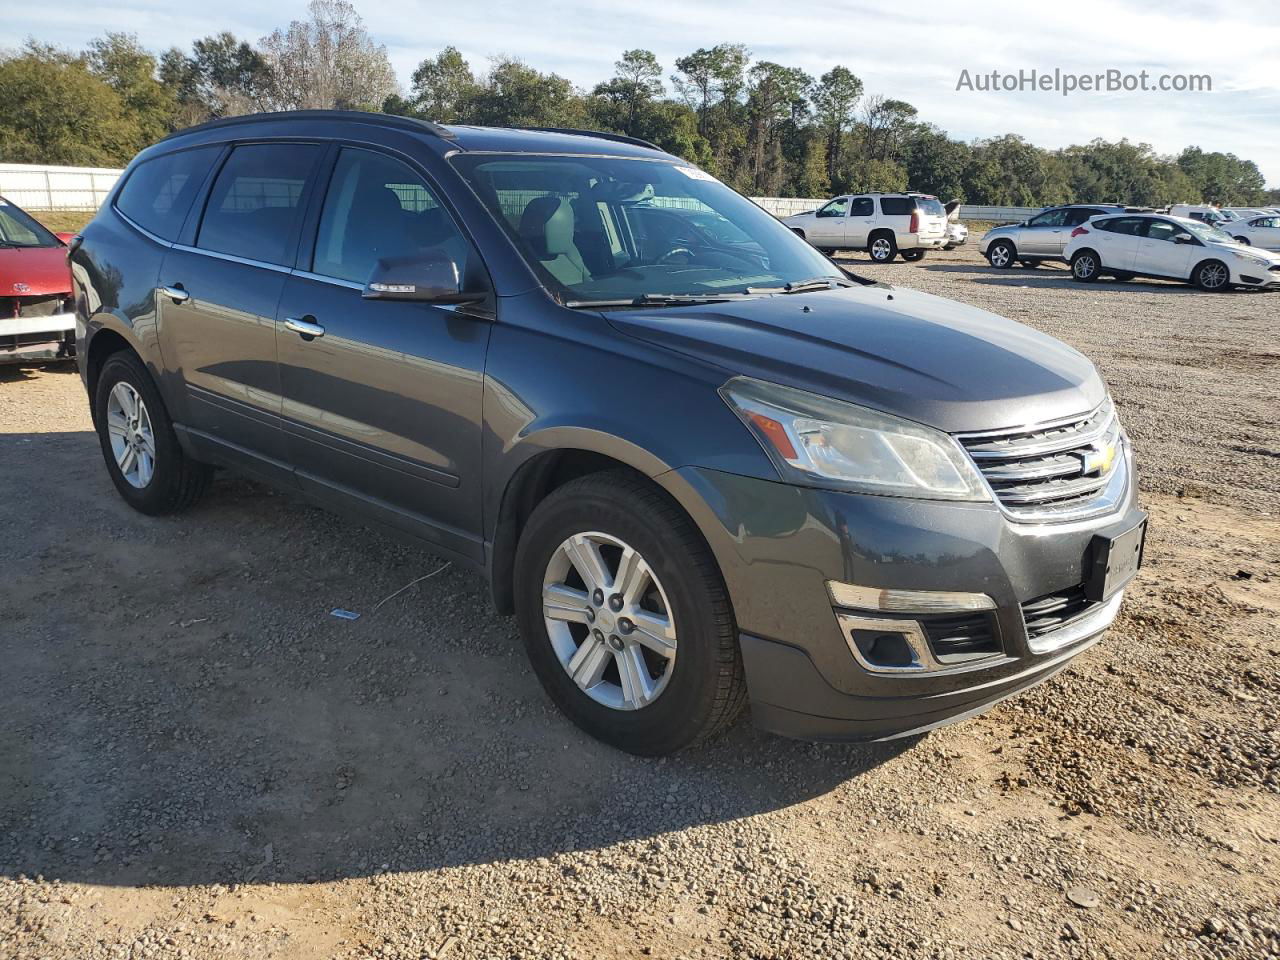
x,y
765,128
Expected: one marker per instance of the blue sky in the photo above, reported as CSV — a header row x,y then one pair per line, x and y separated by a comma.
x,y
914,53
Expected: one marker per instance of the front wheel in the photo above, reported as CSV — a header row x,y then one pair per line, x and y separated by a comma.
x,y
911,256
883,248
1000,254
1085,266
625,616
1244,240
1213,276
146,463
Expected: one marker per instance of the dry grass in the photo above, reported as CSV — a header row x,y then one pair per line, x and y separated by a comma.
x,y
63,220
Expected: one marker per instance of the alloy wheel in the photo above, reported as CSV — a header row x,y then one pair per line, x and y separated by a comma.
x,y
880,249
609,621
1000,255
133,441
1214,276
1085,267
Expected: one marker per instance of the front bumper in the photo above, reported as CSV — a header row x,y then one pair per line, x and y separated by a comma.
x,y
778,545
37,338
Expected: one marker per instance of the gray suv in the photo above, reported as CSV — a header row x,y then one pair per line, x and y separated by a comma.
x,y
1043,236
699,462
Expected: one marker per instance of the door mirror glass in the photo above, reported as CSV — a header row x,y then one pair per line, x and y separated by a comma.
x,y
431,277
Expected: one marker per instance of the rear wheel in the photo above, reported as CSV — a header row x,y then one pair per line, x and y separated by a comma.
x,y
625,616
1212,275
883,247
1123,275
911,256
1085,266
1000,254
145,460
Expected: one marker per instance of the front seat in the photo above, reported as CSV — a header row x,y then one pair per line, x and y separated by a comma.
x,y
547,226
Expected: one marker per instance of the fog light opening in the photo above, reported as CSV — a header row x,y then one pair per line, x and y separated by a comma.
x,y
886,650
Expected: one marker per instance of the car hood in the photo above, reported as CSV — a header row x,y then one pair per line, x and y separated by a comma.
x,y
43,270
899,351
1248,250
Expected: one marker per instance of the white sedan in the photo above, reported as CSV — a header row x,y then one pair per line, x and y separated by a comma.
x,y
1170,248
1260,231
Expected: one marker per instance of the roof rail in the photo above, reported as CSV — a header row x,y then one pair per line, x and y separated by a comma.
x,y
386,119
598,134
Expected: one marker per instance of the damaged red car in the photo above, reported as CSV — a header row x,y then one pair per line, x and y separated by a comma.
x,y
37,317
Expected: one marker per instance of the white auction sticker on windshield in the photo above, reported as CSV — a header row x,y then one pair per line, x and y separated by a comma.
x,y
693,173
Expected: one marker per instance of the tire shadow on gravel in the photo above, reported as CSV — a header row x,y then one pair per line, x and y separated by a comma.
x,y
179,707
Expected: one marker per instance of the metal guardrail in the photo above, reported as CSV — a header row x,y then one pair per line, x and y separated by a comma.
x,y
36,187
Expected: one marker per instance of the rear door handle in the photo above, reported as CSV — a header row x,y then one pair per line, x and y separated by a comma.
x,y
304,328
176,293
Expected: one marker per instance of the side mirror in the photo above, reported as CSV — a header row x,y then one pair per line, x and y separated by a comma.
x,y
429,278
1182,238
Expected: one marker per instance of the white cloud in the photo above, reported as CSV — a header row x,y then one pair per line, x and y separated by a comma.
x,y
914,54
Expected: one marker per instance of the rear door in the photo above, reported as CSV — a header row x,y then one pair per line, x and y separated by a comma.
x,y
382,409
861,219
1158,253
828,226
218,297
1045,234
1117,240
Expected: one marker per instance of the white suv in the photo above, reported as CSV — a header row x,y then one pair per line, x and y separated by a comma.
x,y
884,224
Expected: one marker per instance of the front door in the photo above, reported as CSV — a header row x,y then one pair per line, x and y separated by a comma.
x,y
1160,254
1045,235
382,399
218,299
827,229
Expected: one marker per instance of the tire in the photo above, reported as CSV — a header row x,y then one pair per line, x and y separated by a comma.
x,y
913,256
1211,276
1029,264
159,478
1001,254
799,233
882,247
1085,266
1244,240
697,693
1123,276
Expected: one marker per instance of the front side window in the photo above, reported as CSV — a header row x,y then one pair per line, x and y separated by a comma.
x,y
256,200
619,228
19,229
1162,230
159,192
1054,218
836,208
376,208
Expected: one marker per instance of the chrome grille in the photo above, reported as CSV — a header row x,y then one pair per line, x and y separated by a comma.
x,y
1058,470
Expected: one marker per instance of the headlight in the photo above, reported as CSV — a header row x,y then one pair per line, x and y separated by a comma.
x,y
828,443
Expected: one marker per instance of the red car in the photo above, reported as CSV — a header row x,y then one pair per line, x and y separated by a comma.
x,y
37,318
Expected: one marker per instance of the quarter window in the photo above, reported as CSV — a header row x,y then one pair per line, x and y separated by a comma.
x,y
897,206
159,192
376,208
256,200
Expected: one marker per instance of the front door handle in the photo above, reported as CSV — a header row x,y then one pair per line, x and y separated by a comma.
x,y
304,328
176,293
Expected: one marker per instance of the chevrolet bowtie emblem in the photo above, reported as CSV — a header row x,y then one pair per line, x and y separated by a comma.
x,y
1099,459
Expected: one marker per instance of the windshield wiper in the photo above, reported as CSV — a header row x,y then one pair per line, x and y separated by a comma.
x,y
804,286
650,299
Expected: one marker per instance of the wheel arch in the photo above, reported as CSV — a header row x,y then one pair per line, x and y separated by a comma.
x,y
102,344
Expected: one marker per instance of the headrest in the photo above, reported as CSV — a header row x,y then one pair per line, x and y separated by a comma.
x,y
547,224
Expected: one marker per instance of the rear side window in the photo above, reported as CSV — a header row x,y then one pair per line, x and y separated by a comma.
x,y
378,208
897,206
159,192
1130,226
256,200
862,207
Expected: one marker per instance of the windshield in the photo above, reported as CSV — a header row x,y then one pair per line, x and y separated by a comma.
x,y
1205,232
19,229
622,229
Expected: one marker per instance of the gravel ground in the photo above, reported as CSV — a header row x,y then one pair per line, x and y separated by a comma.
x,y
196,760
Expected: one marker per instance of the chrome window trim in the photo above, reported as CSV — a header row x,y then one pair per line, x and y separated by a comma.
x,y
334,281
140,228
232,258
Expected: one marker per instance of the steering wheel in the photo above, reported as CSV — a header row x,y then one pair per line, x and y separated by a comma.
x,y
675,252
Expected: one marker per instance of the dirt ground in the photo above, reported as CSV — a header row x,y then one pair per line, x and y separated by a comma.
x,y
197,760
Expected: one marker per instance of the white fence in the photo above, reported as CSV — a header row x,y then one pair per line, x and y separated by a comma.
x,y
38,187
